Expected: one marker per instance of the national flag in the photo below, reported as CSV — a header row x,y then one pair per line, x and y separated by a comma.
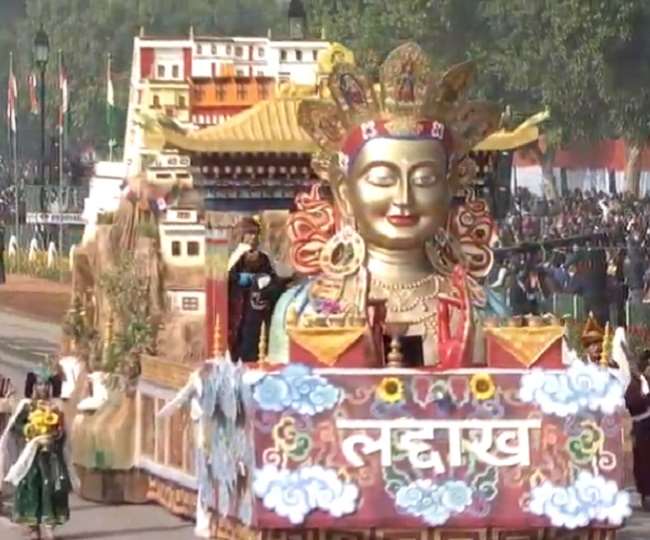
x,y
32,84
12,98
64,111
110,106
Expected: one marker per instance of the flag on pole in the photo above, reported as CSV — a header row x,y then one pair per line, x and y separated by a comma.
x,y
12,99
32,84
110,106
64,111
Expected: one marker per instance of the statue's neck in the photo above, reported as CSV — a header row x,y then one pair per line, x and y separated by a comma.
x,y
398,266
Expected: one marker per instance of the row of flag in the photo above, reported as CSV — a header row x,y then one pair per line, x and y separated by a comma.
x,y
64,104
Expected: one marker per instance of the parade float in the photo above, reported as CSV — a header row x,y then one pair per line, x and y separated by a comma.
x,y
388,395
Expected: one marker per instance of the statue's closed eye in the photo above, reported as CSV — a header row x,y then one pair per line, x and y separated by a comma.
x,y
381,176
424,177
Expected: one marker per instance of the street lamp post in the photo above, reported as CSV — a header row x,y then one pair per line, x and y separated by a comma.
x,y
41,54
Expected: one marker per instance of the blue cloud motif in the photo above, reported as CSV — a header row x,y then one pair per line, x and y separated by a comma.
x,y
434,503
589,498
297,388
295,494
583,386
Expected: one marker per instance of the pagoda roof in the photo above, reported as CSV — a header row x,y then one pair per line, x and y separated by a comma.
x,y
267,127
272,127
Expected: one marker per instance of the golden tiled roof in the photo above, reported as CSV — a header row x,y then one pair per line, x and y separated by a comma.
x,y
269,126
272,126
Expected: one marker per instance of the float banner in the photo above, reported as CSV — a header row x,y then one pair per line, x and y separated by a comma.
x,y
371,449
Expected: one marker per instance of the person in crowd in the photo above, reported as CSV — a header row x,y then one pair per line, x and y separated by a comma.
x,y
637,400
527,294
635,267
590,281
2,255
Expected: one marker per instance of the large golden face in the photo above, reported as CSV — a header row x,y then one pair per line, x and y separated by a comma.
x,y
398,192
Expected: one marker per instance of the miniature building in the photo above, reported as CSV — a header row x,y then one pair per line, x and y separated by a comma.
x,y
182,239
245,165
203,81
186,301
170,169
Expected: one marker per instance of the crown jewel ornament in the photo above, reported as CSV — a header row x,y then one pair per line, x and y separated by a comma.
x,y
410,102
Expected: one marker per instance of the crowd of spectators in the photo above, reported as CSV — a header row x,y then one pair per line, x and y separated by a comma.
x,y
534,219
589,244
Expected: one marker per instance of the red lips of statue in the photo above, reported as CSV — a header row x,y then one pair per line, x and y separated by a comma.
x,y
403,221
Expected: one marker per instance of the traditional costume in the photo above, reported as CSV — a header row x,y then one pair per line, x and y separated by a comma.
x,y
40,474
592,339
637,400
253,289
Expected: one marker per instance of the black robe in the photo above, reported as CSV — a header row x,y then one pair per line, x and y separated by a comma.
x,y
250,306
638,404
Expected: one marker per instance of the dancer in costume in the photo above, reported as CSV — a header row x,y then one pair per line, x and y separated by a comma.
x,y
40,473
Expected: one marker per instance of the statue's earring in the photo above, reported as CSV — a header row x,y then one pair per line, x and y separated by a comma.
x,y
344,253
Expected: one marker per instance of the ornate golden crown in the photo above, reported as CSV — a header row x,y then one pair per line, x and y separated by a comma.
x,y
409,101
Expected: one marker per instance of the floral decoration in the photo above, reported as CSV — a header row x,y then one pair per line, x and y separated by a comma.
x,y
295,494
390,390
434,503
43,420
589,498
328,306
369,130
482,386
296,388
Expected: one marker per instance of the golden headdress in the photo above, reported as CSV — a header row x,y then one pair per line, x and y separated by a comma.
x,y
592,332
409,102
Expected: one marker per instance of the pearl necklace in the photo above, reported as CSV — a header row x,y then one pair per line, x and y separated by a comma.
x,y
405,286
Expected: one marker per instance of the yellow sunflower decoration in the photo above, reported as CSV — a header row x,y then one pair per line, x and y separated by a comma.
x,y
482,386
41,421
390,390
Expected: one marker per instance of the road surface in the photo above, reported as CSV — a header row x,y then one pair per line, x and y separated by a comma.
x,y
22,343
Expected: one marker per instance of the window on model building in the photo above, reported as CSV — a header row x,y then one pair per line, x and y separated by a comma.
x,y
193,249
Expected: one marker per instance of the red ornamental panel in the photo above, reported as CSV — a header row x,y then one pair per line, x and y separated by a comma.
x,y
456,453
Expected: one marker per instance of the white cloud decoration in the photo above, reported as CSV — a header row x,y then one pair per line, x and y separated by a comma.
x,y
582,386
296,387
434,503
589,498
294,494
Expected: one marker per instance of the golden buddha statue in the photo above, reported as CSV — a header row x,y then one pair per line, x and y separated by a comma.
x,y
394,155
